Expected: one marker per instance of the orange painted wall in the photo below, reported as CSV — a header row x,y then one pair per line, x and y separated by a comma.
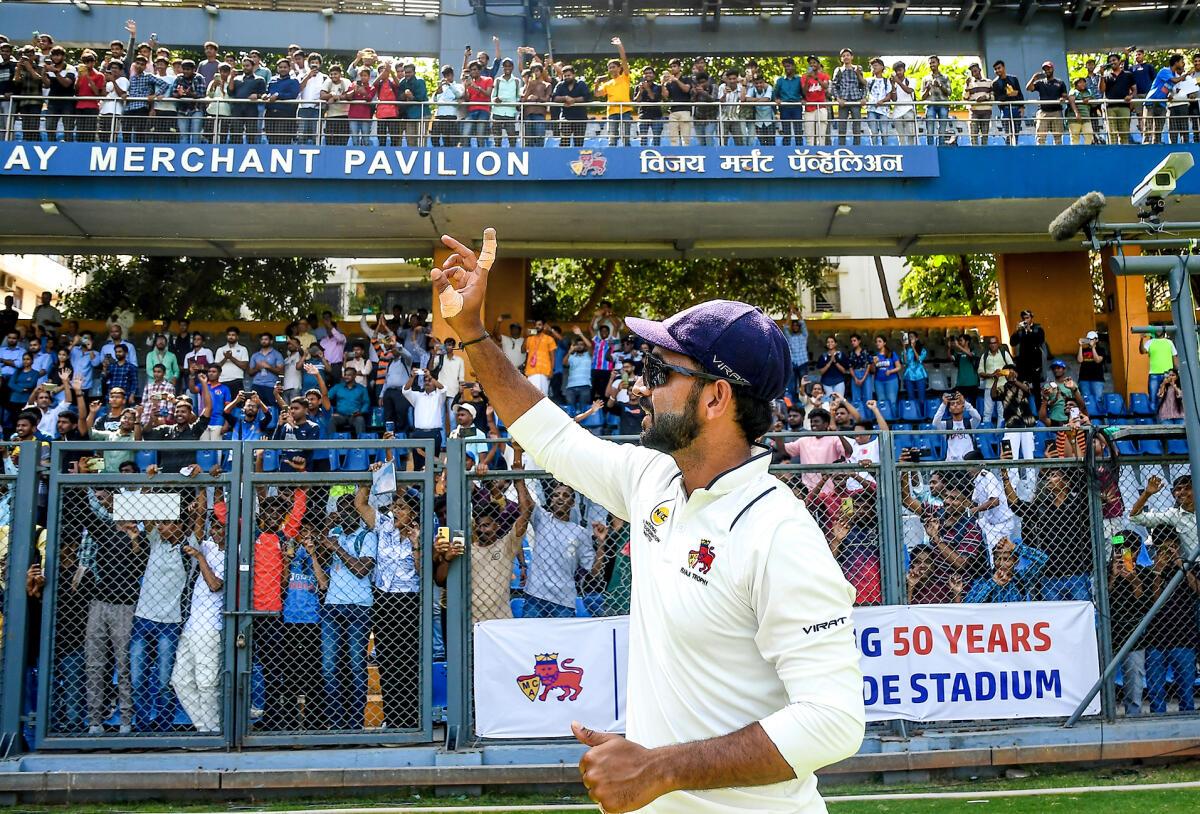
x,y
1056,287
1125,308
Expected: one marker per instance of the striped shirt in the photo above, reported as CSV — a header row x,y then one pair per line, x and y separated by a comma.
x,y
602,353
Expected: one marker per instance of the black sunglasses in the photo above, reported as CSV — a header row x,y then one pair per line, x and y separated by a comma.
x,y
656,372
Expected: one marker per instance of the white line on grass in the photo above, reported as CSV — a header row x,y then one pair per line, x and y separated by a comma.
x,y
846,798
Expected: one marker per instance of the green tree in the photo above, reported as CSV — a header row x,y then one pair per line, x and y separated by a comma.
x,y
571,289
942,285
193,287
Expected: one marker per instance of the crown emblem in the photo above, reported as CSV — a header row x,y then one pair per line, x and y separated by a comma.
x,y
545,658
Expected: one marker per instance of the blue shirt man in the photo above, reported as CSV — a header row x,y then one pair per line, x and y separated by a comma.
x,y
10,354
1143,75
84,361
296,427
266,364
348,397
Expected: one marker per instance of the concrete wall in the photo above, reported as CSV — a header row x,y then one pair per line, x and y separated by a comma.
x,y
1056,287
444,36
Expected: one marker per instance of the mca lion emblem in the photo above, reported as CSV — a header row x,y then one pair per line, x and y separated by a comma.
x,y
589,163
702,558
549,675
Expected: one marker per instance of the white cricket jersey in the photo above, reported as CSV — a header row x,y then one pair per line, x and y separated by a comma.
x,y
739,612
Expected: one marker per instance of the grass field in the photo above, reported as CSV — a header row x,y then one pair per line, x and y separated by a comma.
x,y
1149,801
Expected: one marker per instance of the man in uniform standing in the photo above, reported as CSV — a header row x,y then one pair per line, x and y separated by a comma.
x,y
730,568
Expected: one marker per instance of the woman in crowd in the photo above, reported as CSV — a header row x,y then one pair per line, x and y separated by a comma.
x,y
1170,399
916,377
862,387
886,366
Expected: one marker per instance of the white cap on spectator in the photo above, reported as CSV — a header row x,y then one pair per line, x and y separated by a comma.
x,y
468,408
1093,335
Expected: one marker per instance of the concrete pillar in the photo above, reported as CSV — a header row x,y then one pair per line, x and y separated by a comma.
x,y
507,295
1056,287
1024,48
1124,308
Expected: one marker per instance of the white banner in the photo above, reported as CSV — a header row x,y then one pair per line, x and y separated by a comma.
x,y
534,676
920,663
968,662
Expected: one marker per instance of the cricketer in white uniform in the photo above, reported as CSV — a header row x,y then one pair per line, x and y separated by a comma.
x,y
743,672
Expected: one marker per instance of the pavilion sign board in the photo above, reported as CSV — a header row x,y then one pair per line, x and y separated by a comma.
x,y
591,164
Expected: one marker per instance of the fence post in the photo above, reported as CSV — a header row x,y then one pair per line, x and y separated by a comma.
x,y
458,600
891,558
22,508
234,580
1108,697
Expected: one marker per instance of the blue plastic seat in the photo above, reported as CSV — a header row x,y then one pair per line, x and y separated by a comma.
x,y
1139,404
1177,446
580,609
1114,405
861,406
1126,448
910,411
270,460
885,410
518,606
355,460
1092,407
594,421
931,405
144,457
274,418
207,458
1150,446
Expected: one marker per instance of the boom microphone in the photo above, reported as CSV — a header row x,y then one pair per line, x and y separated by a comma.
x,y
1077,216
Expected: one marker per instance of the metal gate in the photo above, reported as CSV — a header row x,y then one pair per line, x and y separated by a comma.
x,y
211,610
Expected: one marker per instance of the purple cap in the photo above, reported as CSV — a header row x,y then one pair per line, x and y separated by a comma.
x,y
733,340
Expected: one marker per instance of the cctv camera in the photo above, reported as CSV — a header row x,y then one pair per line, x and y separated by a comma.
x,y
1161,180
425,205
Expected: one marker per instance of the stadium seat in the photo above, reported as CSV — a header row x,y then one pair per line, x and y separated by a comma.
x,y
355,460
1177,446
885,410
207,458
1126,448
1092,407
1139,404
1150,446
861,406
931,405
910,411
1114,405
274,418
439,683
594,421
581,611
518,606
144,457
270,460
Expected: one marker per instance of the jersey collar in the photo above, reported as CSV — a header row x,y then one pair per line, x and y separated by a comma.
x,y
735,477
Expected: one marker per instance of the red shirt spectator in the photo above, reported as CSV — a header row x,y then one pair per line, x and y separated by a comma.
x,y
480,90
361,96
89,87
387,90
814,85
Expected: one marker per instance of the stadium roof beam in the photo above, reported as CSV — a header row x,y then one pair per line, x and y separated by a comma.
x,y
802,14
972,13
1026,10
1181,10
710,15
1085,12
894,14
480,9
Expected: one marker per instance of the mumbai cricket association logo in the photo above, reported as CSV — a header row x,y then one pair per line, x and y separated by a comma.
x,y
702,558
549,675
589,162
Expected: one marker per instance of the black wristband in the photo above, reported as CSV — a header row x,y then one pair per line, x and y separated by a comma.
x,y
470,342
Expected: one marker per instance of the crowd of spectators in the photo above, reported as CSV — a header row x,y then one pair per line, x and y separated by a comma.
x,y
338,568
141,91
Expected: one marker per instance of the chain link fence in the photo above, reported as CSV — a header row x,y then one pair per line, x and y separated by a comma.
x,y
336,613
134,634
340,584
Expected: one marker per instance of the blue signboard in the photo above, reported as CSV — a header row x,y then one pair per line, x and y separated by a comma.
x,y
34,159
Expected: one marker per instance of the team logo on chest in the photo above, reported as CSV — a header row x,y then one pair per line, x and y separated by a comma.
x,y
658,516
700,561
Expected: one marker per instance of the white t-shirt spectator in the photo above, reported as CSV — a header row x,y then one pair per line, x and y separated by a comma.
x,y
230,371
452,374
199,355
395,565
113,104
514,349
291,376
559,550
336,110
999,518
207,605
162,582
428,408
903,106
311,91
448,98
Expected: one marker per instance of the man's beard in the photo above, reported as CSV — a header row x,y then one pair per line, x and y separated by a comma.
x,y
672,432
